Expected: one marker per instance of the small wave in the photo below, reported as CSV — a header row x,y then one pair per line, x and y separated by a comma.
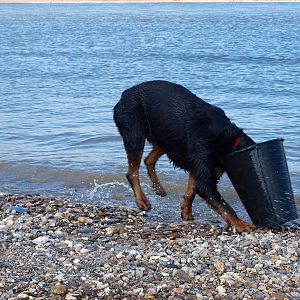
x,y
98,140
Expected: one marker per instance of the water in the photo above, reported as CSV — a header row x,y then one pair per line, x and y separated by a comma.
x,y
63,68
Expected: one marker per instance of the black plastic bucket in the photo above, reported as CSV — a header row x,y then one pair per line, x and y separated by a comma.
x,y
261,178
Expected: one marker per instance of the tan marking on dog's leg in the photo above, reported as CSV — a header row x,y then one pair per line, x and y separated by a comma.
x,y
186,207
232,220
150,162
134,162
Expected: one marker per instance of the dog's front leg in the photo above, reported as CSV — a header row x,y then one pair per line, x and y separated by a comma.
x,y
208,191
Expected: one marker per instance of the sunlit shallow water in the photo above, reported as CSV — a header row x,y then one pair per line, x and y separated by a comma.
x,y
63,68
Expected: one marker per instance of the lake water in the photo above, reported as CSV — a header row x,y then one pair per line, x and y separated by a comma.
x,y
63,68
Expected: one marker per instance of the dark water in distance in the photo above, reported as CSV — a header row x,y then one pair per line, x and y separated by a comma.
x,y
63,68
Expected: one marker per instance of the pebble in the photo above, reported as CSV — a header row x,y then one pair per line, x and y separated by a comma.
x,y
76,251
18,209
220,266
23,296
84,251
59,289
41,240
221,290
70,297
112,230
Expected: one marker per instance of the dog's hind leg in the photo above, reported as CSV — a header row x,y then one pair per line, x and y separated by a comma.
x,y
150,162
129,118
134,161
188,198
134,141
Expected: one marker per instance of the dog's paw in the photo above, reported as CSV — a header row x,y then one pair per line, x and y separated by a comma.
x,y
186,215
240,226
159,190
143,203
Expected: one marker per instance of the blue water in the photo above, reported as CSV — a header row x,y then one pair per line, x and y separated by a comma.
x,y
64,66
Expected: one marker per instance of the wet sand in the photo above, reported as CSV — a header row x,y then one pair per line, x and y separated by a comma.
x,y
53,249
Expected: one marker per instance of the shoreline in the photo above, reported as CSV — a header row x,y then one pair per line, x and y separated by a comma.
x,y
142,1
51,248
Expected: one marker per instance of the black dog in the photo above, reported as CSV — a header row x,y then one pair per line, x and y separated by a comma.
x,y
195,135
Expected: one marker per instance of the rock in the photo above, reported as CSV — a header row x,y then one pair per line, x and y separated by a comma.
x,y
76,261
296,279
114,221
78,247
179,290
18,209
181,275
112,230
22,296
220,266
278,262
69,243
101,285
279,296
8,221
261,287
85,250
59,289
41,240
70,297
87,230
84,220
221,290
171,266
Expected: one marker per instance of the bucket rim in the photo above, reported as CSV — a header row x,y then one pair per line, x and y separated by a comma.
x,y
252,147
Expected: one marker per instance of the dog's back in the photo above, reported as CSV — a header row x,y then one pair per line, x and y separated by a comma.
x,y
170,116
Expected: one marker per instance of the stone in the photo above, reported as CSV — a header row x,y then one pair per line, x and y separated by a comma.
x,y
112,230
70,297
76,261
219,266
114,221
181,275
171,266
221,290
85,250
22,296
41,240
78,247
8,221
279,296
18,209
84,220
59,289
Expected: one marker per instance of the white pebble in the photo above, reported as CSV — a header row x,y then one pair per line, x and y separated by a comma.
x,y
221,290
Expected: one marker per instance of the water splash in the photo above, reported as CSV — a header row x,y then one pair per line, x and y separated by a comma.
x,y
100,189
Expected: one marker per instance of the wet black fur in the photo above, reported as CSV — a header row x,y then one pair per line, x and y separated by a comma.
x,y
195,135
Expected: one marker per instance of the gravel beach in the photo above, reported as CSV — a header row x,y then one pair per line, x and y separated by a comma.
x,y
53,249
